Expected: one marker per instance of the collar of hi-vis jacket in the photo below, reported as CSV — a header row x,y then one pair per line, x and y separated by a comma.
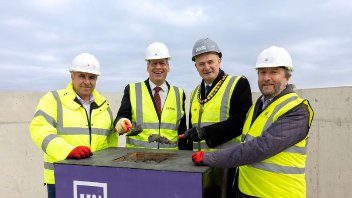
x,y
69,95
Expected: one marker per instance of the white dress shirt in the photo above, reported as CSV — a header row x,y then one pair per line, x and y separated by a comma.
x,y
163,91
86,105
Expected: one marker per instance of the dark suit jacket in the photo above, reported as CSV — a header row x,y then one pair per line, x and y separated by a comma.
x,y
125,111
240,102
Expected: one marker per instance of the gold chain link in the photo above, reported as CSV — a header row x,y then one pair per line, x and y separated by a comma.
x,y
212,93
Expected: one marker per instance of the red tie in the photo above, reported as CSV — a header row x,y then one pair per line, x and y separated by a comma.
x,y
157,100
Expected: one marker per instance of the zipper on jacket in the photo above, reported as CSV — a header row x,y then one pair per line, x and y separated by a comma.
x,y
88,119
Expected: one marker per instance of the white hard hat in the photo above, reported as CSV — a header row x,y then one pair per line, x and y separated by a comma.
x,y
157,51
274,57
85,62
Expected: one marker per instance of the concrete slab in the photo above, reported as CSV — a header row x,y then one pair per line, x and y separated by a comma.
x,y
121,172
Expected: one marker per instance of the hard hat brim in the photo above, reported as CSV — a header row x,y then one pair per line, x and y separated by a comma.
x,y
219,54
290,68
85,71
158,58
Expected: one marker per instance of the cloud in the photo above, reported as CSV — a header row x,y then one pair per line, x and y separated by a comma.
x,y
18,23
170,14
51,6
39,39
46,58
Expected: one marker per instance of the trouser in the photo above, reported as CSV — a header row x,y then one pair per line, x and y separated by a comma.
x,y
51,190
230,177
219,183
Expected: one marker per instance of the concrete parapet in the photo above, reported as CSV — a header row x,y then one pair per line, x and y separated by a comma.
x,y
328,164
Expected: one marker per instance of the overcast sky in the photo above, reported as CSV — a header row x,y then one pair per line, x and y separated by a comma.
x,y
39,38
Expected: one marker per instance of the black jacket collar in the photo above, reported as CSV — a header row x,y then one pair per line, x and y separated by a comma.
x,y
217,79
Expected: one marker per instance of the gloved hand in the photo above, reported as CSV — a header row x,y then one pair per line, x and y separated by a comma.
x,y
197,158
158,139
80,152
123,126
195,134
135,130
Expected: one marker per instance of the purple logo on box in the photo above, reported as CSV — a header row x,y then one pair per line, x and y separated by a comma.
x,y
86,189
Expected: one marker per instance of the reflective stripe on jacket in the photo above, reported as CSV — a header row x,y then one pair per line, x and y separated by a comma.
x,y
145,115
215,110
60,124
282,175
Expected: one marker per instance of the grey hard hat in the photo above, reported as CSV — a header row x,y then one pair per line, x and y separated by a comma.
x,y
205,45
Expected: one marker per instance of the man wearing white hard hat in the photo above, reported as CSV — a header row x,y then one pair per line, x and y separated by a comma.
x,y
272,155
152,112
74,122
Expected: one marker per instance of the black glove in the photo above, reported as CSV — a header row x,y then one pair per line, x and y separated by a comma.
x,y
195,134
159,139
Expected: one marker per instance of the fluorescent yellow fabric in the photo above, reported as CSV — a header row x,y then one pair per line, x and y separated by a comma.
x,y
144,114
60,124
215,110
282,175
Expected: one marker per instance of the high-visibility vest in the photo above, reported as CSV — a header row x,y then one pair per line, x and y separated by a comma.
x,y
215,110
282,175
60,124
144,114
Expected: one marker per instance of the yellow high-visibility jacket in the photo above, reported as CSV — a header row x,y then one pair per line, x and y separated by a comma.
x,y
282,175
215,110
60,124
145,115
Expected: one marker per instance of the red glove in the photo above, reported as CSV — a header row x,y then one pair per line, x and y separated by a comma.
x,y
197,158
80,152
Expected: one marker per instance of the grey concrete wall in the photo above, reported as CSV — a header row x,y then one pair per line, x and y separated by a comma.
x,y
329,172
